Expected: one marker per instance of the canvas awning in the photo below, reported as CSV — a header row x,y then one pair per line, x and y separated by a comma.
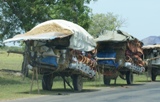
x,y
49,30
151,46
114,36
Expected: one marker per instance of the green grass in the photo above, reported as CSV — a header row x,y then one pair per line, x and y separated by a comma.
x,y
13,86
11,61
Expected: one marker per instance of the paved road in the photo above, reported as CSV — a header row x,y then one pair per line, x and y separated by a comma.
x,y
148,92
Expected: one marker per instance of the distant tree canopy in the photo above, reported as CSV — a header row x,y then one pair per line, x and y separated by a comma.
x,y
102,22
22,15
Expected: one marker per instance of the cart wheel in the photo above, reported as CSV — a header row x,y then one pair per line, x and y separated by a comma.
x,y
153,77
77,82
106,80
129,77
47,81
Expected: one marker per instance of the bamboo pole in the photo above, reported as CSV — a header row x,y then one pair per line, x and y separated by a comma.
x,y
97,58
153,58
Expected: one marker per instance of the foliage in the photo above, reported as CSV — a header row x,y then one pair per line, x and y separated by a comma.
x,y
19,16
8,23
102,22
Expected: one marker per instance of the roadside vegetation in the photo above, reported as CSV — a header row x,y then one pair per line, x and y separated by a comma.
x,y
13,85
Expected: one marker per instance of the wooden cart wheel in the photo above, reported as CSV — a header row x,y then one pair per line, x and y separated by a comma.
x,y
106,80
129,77
77,82
47,81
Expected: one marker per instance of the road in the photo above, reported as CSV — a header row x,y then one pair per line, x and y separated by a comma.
x,y
147,92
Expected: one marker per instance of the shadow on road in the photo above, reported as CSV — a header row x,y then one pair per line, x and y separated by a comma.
x,y
115,85
59,92
148,81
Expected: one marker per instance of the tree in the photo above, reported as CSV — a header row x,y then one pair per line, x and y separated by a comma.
x,y
102,22
7,23
19,16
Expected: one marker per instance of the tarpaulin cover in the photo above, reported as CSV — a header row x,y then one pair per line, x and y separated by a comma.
x,y
49,30
151,46
50,60
114,36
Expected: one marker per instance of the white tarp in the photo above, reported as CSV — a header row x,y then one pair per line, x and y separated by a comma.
x,y
80,39
151,46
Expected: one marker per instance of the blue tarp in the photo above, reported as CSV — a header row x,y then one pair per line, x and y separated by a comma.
x,y
49,60
109,53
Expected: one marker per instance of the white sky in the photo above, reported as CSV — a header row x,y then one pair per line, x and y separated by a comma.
x,y
142,16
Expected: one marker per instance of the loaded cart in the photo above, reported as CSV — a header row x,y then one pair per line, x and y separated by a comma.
x,y
119,54
59,48
152,57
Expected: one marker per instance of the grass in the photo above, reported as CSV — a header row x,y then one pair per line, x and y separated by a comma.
x,y
13,86
11,61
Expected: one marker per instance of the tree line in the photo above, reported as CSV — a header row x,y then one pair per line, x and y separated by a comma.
x,y
19,16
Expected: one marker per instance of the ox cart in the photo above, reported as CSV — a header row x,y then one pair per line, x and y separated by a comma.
x,y
59,48
152,57
119,54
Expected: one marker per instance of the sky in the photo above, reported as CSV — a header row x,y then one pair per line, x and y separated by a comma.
x,y
142,16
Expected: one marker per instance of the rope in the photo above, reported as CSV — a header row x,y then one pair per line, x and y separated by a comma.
x,y
128,59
